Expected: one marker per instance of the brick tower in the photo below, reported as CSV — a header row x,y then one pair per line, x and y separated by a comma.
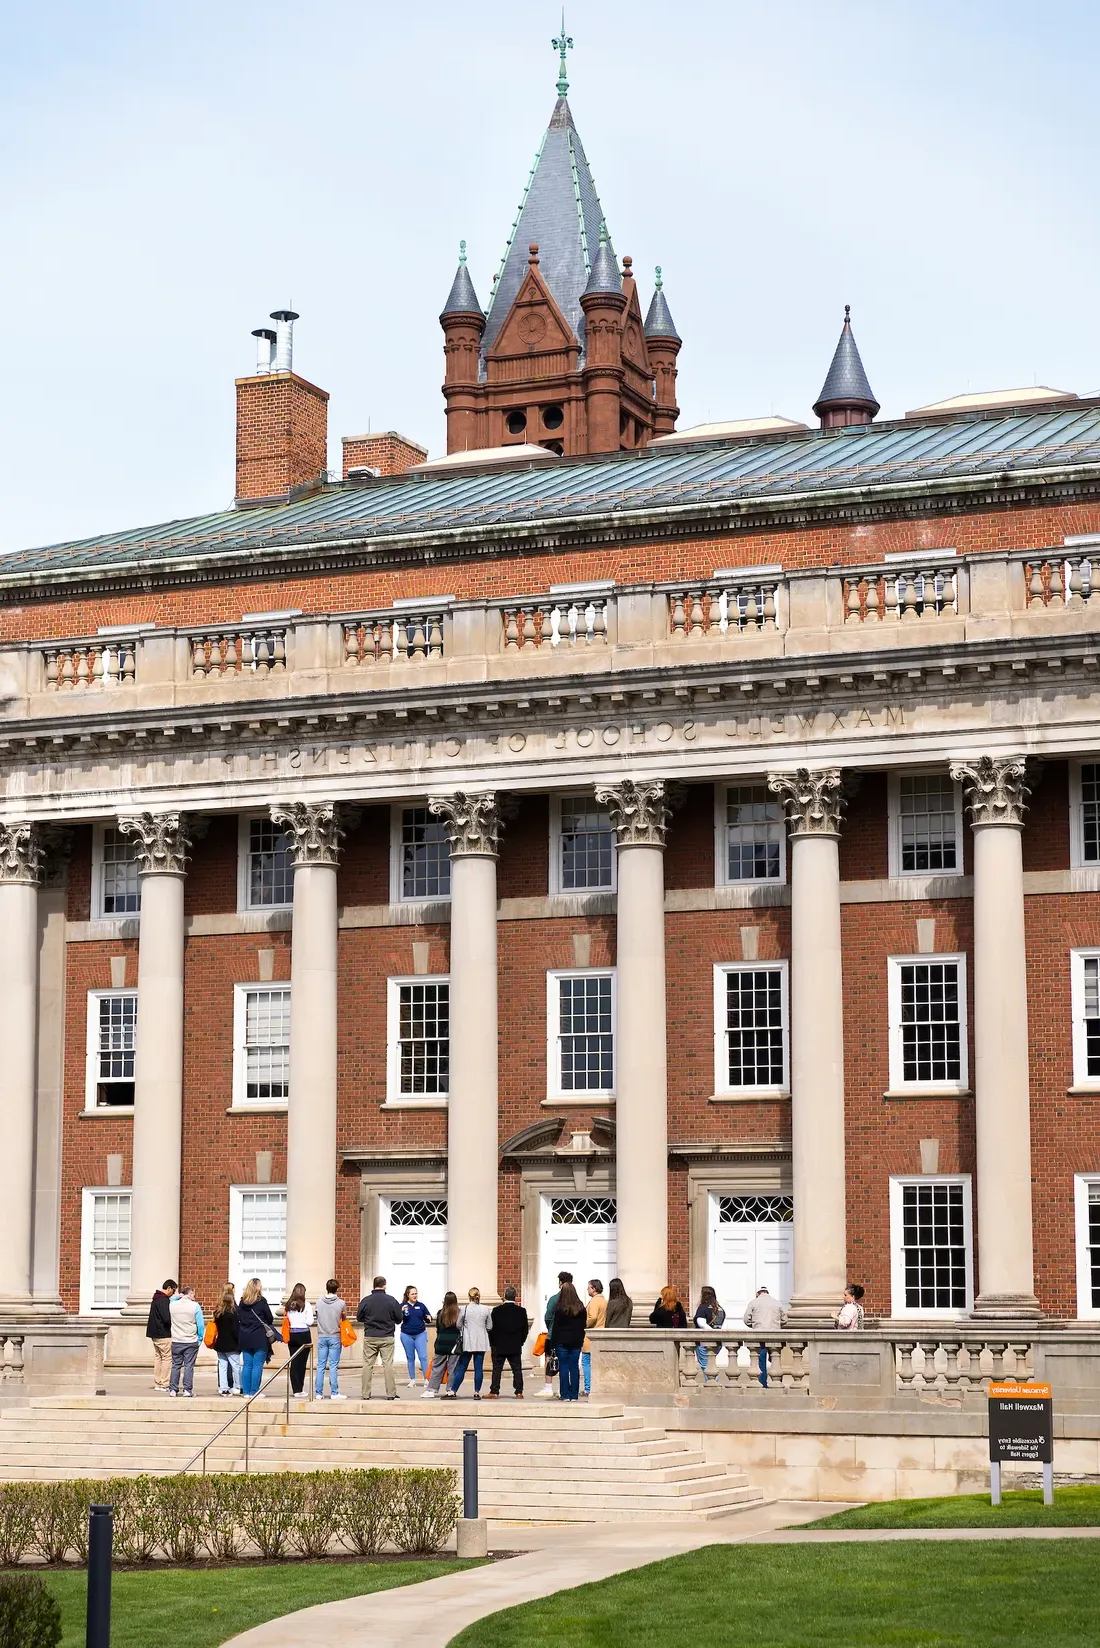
x,y
562,357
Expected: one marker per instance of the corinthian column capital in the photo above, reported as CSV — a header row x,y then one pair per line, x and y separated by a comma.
x,y
472,822
162,841
638,811
996,788
21,853
316,829
813,798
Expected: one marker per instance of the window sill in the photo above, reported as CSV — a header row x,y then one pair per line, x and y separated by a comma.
x,y
257,1109
750,1095
426,1103
918,1092
577,1101
107,1110
1077,1091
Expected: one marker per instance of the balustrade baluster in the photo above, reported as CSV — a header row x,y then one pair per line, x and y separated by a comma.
x,y
852,605
51,669
1057,587
909,600
1073,585
695,629
678,619
874,599
435,635
278,650
599,621
769,616
82,667
1034,576
101,658
417,648
511,630
353,645
66,668
261,646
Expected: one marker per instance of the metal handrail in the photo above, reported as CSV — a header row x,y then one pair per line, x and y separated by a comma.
x,y
244,1408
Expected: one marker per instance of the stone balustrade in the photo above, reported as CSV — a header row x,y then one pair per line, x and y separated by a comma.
x,y
395,637
918,592
238,652
80,665
761,616
46,1356
891,1365
1060,581
718,610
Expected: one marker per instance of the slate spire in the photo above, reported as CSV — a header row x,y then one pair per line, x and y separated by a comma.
x,y
659,322
462,299
561,211
846,396
605,275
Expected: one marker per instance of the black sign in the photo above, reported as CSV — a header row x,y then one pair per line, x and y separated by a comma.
x,y
1021,1424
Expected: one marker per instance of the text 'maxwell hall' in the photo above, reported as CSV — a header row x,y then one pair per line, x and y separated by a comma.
x,y
672,854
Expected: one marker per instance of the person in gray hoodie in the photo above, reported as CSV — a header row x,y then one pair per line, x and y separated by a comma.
x,y
768,1314
331,1311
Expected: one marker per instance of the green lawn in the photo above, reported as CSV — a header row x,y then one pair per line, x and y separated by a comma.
x,y
199,1608
1072,1508
913,1595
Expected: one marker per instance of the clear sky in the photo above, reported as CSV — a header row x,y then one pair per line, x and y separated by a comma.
x,y
170,174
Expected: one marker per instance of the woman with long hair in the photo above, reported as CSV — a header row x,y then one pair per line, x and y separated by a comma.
x,y
299,1315
227,1341
448,1337
668,1312
567,1337
474,1328
620,1306
708,1314
256,1332
415,1321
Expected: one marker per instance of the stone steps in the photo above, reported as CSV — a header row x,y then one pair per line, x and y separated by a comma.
x,y
538,1462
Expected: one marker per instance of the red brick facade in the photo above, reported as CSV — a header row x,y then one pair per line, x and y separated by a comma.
x,y
282,434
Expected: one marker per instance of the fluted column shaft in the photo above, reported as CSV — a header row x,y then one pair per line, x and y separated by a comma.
x,y
473,827
315,831
996,791
639,815
813,803
162,842
20,873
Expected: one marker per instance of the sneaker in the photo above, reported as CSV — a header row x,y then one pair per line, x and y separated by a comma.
x,y
477,1396
336,1397
188,1393
429,1396
450,1395
412,1384
173,1393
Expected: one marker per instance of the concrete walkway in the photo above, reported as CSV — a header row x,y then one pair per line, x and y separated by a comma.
x,y
558,1558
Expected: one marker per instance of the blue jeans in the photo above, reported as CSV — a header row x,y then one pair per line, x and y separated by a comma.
x,y
586,1371
762,1360
328,1355
569,1371
415,1345
228,1359
252,1371
465,1357
701,1354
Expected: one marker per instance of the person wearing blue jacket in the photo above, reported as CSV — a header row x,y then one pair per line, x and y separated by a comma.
x,y
415,1321
187,1331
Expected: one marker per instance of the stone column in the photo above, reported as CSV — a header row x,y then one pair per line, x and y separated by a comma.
x,y
996,791
639,816
473,828
316,831
20,874
813,801
162,841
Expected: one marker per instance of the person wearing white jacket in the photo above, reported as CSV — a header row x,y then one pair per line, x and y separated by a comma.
x,y
473,1324
768,1314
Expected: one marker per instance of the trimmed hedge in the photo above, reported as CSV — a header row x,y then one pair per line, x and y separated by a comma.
x,y
29,1616
288,1513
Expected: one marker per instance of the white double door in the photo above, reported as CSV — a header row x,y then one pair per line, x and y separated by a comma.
x,y
749,1252
578,1235
412,1247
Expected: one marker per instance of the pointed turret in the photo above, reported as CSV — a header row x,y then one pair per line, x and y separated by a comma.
x,y
462,299
663,344
463,323
605,275
846,396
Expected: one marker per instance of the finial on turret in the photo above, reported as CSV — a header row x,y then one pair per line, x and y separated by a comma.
x,y
658,282
561,44
462,251
847,314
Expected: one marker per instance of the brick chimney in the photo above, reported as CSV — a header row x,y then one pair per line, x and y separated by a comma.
x,y
282,420
387,454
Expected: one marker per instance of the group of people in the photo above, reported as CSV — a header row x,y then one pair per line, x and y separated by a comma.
x,y
243,1334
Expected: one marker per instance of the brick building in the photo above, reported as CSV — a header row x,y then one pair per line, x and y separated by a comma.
x,y
676,854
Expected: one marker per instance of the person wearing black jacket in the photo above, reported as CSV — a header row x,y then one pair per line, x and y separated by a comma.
x,y
255,1335
159,1329
567,1337
509,1326
668,1312
378,1314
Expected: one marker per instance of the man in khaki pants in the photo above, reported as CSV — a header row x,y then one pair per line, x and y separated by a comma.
x,y
378,1315
158,1329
